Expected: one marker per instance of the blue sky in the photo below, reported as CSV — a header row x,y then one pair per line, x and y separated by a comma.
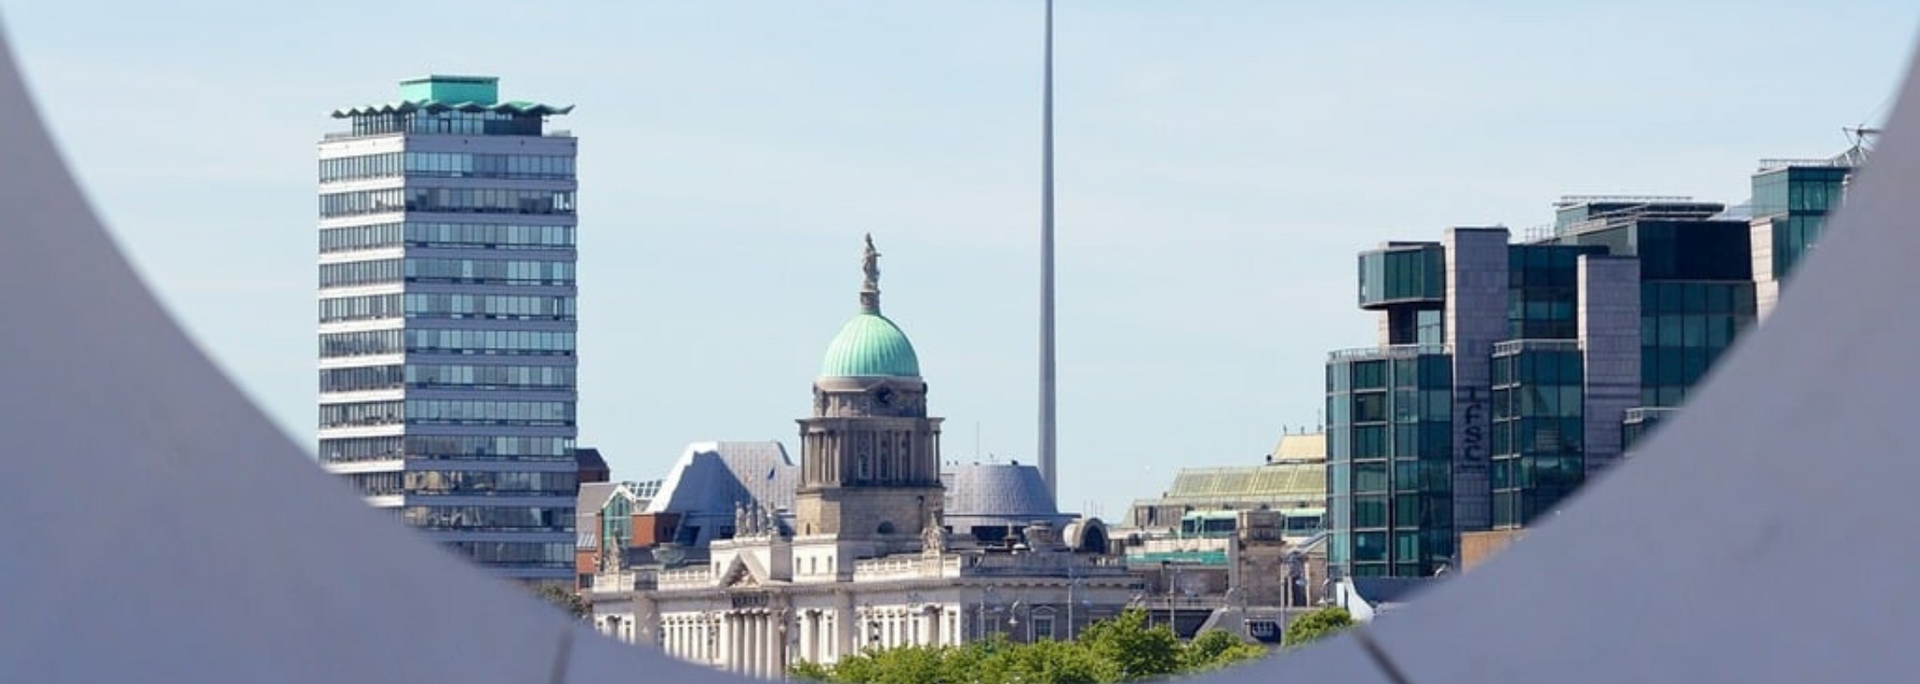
x,y
1220,163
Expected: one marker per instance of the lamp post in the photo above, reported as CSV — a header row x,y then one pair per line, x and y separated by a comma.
x,y
1013,619
1072,582
980,624
1170,589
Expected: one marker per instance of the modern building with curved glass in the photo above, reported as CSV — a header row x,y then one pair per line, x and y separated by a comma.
x,y
447,319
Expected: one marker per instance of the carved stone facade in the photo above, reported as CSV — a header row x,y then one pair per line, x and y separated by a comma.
x,y
870,467
866,560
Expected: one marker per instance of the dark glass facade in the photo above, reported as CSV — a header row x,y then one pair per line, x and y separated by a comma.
x,y
1406,273
1538,421
1794,202
1389,459
1543,295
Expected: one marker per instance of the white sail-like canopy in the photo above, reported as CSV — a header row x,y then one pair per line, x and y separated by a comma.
x,y
158,529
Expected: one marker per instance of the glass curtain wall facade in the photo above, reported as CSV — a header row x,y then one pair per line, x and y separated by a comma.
x,y
1389,455
1538,422
447,311
1793,201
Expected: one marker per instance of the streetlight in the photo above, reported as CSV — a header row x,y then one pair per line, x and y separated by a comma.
x,y
1013,618
1072,582
980,624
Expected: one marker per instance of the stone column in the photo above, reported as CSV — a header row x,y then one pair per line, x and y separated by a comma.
x,y
757,645
734,639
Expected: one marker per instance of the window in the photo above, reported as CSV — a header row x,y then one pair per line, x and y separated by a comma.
x,y
1043,627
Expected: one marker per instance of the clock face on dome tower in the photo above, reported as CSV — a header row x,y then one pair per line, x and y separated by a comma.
x,y
883,396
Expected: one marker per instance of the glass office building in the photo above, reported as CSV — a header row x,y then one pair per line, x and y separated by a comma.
x,y
1792,199
1389,451
447,319
1507,373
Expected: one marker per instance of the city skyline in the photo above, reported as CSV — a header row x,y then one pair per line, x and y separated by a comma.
x,y
730,380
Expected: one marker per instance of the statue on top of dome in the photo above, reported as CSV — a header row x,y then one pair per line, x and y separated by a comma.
x,y
870,263
870,291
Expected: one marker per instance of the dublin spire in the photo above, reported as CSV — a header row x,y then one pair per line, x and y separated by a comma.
x,y
1048,439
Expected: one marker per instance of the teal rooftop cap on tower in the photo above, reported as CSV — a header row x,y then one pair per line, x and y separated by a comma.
x,y
441,88
870,345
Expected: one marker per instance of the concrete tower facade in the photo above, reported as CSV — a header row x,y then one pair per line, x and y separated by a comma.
x,y
447,320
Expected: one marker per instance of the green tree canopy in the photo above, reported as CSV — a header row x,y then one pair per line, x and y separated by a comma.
x,y
1216,648
1121,649
564,598
1128,649
1316,625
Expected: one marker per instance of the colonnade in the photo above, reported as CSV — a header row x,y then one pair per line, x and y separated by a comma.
x,y
751,642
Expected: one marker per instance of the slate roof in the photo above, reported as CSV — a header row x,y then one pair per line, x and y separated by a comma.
x,y
711,478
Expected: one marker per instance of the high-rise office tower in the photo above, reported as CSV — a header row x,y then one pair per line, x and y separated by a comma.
x,y
446,309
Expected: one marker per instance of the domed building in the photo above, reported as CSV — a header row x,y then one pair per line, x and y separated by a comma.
x,y
868,557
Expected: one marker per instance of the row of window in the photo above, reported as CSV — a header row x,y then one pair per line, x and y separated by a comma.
x,y
435,305
490,271
491,341
1432,477
463,482
1409,512
1407,406
1538,401
1430,371
484,200
1539,367
490,376
448,122
341,450
518,554
1707,330
362,378
468,482
1558,472
362,413
517,342
448,165
463,376
447,412
361,272
489,518
1539,436
424,233
1684,297
505,271
453,306
1414,554
364,307
1427,439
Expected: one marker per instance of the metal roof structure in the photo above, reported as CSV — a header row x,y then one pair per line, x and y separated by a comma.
x,y
997,494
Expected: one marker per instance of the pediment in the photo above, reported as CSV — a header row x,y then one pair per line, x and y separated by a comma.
x,y
744,572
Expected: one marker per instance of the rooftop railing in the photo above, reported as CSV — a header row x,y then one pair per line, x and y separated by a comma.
x,y
1395,351
1517,346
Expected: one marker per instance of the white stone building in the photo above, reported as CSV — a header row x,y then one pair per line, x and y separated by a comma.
x,y
868,558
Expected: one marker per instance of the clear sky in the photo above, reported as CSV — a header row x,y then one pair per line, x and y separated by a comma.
x,y
1220,163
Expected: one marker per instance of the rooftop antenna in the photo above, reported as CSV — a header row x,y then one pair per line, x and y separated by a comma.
x,y
1048,441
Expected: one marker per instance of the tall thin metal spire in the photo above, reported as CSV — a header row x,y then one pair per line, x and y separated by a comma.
x,y
1049,469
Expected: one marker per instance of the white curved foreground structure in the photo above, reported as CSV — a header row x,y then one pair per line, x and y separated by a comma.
x,y
129,456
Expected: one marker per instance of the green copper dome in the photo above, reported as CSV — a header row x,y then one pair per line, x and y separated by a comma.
x,y
870,345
